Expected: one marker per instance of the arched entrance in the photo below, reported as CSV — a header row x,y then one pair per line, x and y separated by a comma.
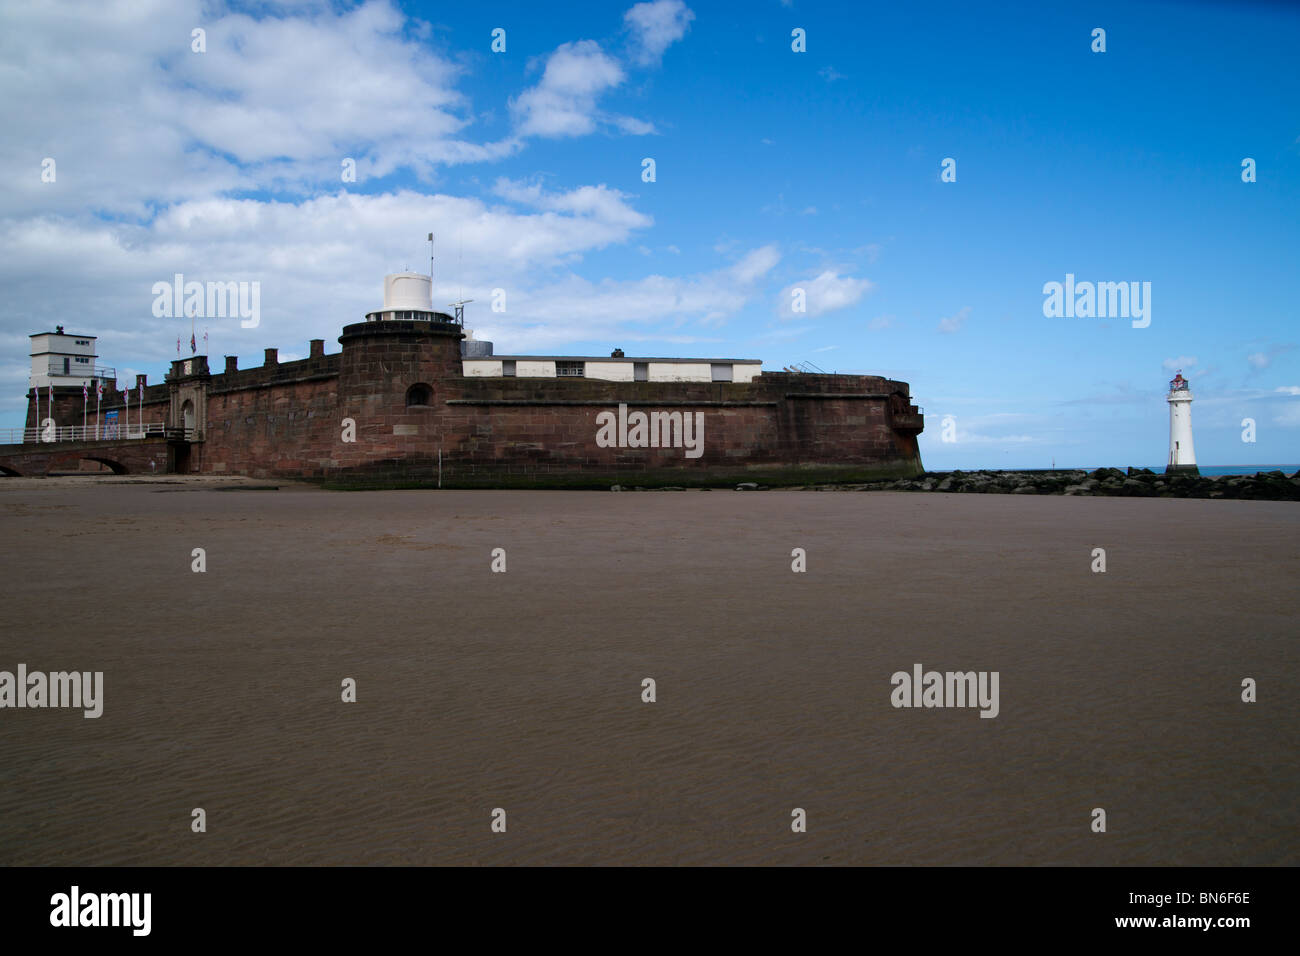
x,y
187,417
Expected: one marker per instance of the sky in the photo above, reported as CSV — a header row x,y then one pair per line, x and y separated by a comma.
x,y
914,176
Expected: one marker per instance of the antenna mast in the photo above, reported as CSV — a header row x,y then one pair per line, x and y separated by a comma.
x,y
459,306
430,257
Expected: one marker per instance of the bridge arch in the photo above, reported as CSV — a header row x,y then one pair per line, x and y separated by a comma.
x,y
7,472
117,466
73,460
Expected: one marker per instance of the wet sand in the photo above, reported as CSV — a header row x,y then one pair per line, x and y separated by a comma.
x,y
523,690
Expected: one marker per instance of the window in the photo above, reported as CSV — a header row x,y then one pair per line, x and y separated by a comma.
x,y
570,369
65,366
419,396
83,361
721,372
508,368
640,371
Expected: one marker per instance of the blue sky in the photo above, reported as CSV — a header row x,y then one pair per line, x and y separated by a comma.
x,y
774,170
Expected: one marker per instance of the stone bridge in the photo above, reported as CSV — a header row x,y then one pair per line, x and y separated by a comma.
x,y
124,456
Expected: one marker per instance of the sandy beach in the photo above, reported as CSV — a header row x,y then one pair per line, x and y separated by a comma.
x,y
522,690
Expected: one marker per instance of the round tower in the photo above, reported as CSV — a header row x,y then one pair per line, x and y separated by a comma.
x,y
1182,454
403,354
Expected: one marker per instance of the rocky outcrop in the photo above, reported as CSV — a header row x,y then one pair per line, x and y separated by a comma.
x,y
1133,483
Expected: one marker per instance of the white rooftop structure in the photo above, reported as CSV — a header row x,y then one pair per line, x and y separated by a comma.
x,y
61,358
615,367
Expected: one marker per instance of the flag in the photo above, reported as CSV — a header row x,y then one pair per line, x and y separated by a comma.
x,y
141,391
193,345
84,393
51,396
99,391
178,346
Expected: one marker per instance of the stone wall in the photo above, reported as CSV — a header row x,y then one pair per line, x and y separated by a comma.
x,y
290,419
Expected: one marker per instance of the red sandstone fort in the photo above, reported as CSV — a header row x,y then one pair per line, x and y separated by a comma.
x,y
412,398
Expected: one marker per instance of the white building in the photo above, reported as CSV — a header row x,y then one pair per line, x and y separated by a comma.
x,y
59,359
615,367
1182,454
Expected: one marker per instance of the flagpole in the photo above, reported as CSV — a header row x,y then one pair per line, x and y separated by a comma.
x,y
126,407
97,391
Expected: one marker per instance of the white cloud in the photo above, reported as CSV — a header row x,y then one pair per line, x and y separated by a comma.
x,y
321,261
827,292
954,322
564,101
755,264
132,116
882,322
598,203
656,26
1186,362
1262,360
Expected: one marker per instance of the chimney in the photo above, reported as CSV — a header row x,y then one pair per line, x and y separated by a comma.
x,y
272,357
141,379
232,364
317,348
617,353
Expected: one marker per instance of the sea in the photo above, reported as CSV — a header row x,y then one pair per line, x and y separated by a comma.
x,y
1232,469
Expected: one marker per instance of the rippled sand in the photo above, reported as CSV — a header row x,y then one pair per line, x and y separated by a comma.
x,y
522,690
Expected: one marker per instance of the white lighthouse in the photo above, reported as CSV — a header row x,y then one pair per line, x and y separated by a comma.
x,y
1182,454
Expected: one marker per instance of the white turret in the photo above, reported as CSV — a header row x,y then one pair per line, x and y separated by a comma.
x,y
1182,454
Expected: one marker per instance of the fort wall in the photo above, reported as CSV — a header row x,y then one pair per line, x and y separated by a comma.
x,y
402,386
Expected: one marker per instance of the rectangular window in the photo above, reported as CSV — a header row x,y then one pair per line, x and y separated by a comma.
x,y
508,368
65,366
570,369
721,372
640,371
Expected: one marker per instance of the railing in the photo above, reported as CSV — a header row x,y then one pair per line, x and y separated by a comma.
x,y
102,432
82,371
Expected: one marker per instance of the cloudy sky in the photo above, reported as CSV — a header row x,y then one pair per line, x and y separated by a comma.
x,y
780,175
